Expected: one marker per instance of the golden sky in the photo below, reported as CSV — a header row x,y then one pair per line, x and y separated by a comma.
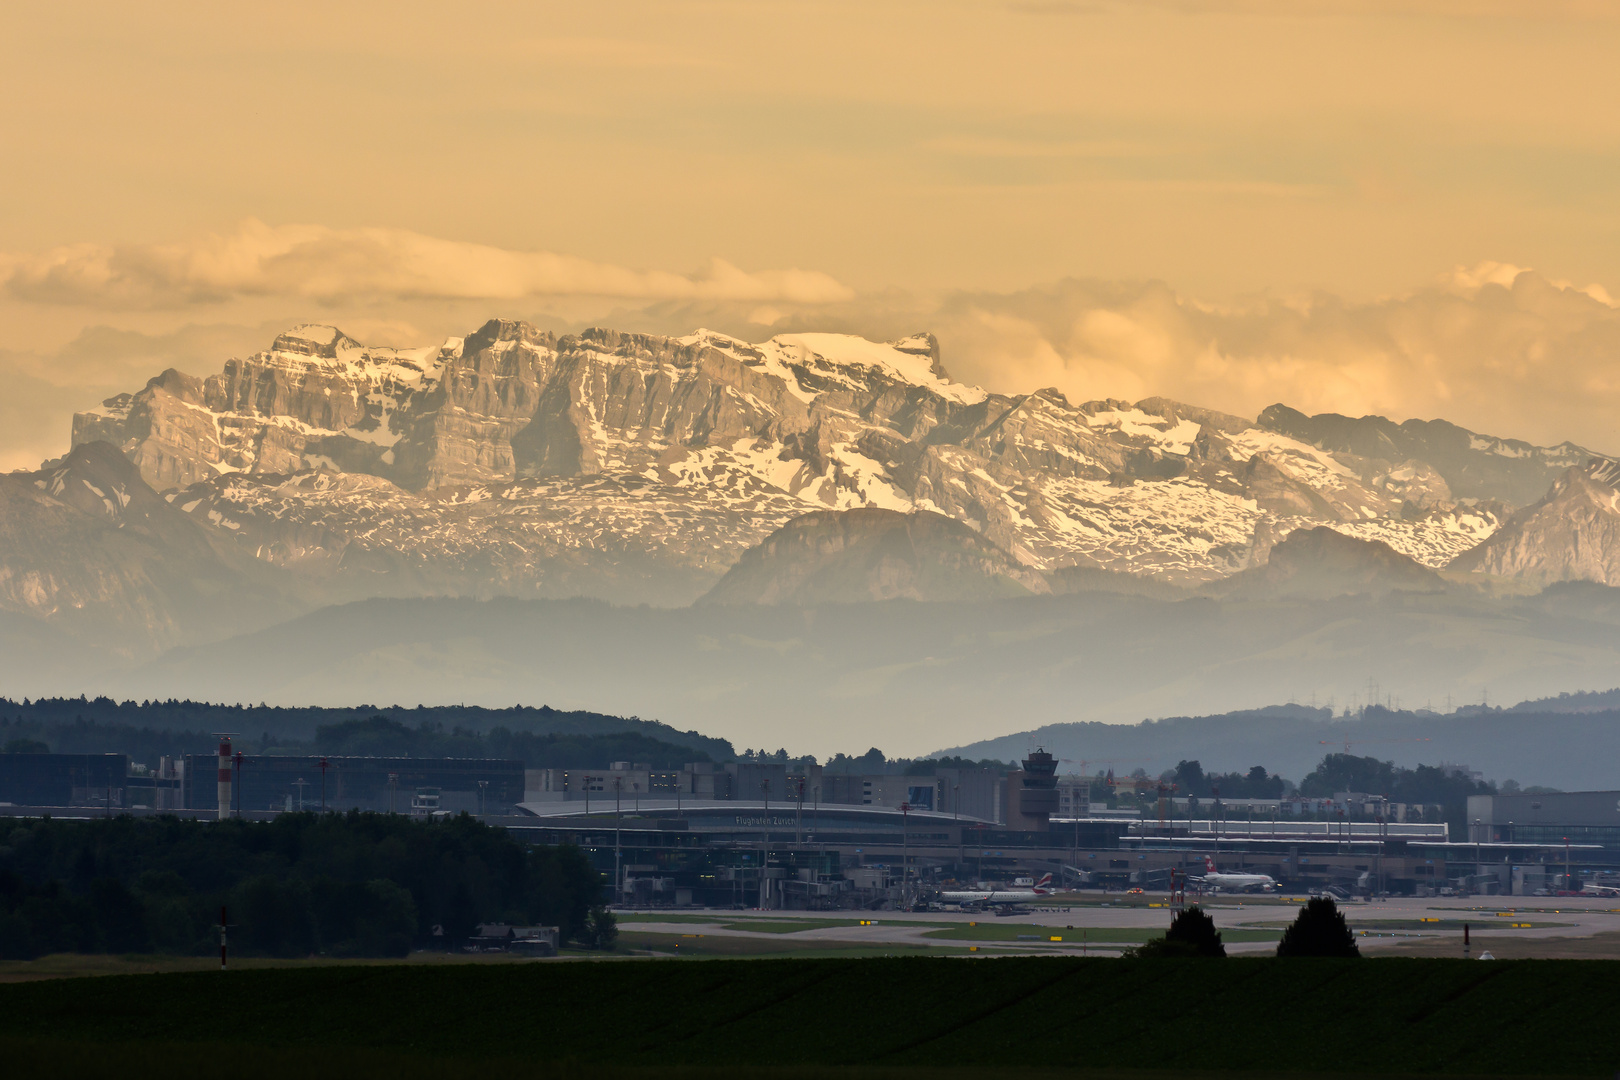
x,y
1322,202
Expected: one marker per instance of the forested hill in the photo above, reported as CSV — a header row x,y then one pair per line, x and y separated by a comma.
x,y
146,729
1538,743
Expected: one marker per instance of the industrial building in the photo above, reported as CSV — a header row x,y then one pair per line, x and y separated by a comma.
x,y
64,779
395,784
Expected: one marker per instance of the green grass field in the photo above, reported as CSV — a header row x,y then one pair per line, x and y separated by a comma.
x,y
709,945
896,1017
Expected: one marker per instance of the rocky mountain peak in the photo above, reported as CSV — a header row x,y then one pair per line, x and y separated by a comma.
x,y
852,556
1571,534
924,345
314,339
96,479
497,331
1322,563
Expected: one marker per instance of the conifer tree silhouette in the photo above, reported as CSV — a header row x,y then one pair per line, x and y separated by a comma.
x,y
1318,930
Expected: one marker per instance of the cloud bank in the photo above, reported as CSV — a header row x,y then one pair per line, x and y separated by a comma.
x,y
332,266
1495,348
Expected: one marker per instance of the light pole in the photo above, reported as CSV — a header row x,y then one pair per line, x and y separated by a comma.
x,y
393,790
815,827
483,787
323,785
764,837
905,856
300,784
618,824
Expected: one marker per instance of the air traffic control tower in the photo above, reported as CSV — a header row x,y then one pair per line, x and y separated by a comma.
x,y
1032,793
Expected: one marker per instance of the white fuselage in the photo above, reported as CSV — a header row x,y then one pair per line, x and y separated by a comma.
x,y
994,896
1218,880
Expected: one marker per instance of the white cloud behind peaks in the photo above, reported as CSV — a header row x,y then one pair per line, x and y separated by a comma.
x,y
331,266
1495,347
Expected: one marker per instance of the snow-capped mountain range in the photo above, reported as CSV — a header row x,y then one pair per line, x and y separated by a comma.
x,y
511,447
639,468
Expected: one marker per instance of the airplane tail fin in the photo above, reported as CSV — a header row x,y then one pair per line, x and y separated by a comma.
x,y
1044,882
1209,865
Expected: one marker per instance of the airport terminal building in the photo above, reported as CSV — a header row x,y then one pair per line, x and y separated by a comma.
x,y
693,835
1579,817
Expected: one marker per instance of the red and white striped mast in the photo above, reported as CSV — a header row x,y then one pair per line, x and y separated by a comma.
x,y
224,773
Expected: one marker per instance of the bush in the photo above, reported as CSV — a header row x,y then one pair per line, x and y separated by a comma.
x,y
1319,930
1192,933
601,929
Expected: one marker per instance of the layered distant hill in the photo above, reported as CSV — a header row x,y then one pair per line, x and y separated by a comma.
x,y
641,469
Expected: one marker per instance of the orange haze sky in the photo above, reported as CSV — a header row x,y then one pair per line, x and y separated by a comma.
x,y
1410,206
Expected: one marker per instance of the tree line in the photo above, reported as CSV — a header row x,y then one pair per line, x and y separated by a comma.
x,y
355,884
376,735
84,725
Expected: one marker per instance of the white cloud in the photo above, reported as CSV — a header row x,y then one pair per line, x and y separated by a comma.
x,y
1493,347
313,262
1496,348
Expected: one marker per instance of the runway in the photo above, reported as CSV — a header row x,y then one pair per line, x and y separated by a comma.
x,y
1089,923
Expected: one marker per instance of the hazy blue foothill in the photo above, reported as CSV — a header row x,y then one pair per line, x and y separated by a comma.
x,y
920,677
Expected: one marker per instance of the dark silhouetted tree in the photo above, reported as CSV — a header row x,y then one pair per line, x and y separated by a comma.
x,y
1318,930
1191,933
1189,779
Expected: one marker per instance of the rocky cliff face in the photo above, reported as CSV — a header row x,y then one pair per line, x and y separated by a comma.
x,y
1573,534
421,417
86,544
1467,464
638,468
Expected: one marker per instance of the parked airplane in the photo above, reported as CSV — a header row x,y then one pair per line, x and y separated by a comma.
x,y
1039,890
1589,889
1216,879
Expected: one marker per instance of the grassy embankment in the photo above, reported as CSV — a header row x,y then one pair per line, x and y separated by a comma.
x,y
1254,1017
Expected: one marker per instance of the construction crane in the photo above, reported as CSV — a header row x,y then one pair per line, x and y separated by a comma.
x,y
1083,762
